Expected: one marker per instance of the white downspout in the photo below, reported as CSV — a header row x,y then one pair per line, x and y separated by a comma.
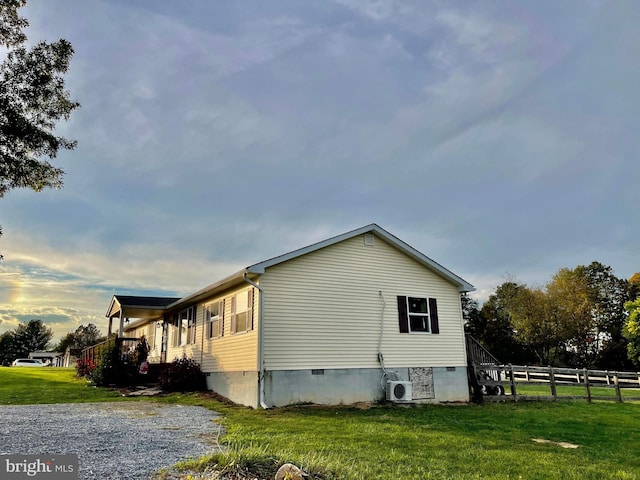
x,y
260,342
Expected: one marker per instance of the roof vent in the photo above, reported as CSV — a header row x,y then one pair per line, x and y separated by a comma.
x,y
369,239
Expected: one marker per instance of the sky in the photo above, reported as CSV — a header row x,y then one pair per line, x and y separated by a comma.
x,y
498,138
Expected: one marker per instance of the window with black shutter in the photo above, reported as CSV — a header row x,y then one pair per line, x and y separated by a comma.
x,y
418,315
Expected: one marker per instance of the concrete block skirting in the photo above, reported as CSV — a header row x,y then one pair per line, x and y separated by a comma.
x,y
347,386
239,387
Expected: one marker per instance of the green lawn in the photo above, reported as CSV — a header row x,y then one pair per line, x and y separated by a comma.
x,y
31,385
574,390
493,441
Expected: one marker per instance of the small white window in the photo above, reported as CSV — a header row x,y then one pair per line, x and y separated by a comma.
x,y
186,328
151,335
418,314
215,319
418,309
242,312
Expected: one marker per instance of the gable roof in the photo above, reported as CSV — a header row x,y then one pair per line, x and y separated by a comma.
x,y
136,306
407,249
151,305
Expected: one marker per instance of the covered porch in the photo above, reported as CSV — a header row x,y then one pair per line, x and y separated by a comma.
x,y
128,310
125,308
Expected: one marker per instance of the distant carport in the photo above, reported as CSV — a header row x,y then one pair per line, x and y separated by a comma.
x,y
55,359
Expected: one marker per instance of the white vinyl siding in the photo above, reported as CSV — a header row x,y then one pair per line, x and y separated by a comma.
x,y
228,352
323,309
153,333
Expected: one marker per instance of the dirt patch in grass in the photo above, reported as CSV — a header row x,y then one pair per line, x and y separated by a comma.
x,y
559,444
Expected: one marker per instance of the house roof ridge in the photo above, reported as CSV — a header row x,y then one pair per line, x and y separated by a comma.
x,y
401,245
260,267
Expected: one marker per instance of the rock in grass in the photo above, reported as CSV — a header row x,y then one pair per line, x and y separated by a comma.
x,y
289,471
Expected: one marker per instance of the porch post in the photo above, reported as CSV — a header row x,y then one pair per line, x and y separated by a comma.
x,y
121,331
110,326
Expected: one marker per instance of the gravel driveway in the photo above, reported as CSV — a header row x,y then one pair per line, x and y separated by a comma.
x,y
112,440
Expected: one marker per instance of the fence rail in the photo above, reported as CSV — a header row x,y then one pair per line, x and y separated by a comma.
x,y
501,382
123,345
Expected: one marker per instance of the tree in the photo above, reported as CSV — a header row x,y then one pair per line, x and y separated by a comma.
x,y
608,295
7,354
30,337
631,330
492,326
32,101
537,325
83,337
634,286
576,320
569,303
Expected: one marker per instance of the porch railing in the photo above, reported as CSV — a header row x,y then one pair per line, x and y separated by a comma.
x,y
124,346
483,363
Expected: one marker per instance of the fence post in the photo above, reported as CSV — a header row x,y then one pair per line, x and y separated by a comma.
x,y
512,383
617,387
586,385
552,380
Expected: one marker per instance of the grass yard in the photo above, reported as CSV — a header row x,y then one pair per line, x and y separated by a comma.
x,y
575,390
30,385
439,441
493,441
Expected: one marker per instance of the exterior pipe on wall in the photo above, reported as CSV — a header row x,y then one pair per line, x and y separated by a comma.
x,y
384,304
385,372
260,342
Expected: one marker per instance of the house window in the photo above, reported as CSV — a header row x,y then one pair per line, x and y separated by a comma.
x,y
242,312
184,330
151,335
215,319
418,315
189,325
175,331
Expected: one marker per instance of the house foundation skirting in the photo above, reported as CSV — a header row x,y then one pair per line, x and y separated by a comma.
x,y
239,387
352,385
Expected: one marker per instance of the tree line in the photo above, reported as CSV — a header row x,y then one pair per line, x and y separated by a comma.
x,y
584,317
35,336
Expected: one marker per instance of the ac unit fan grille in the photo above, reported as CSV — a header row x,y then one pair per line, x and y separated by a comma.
x,y
399,391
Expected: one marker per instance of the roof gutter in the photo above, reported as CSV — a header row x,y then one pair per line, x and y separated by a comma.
x,y
261,400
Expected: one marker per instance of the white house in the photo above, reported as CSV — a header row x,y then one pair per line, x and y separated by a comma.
x,y
352,318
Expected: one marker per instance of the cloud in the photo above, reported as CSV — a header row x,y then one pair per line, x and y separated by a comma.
x,y
494,137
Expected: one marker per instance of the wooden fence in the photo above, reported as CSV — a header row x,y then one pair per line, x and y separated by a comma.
x,y
502,382
123,345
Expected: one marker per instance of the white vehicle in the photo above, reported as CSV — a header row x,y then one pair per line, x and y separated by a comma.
x,y
27,362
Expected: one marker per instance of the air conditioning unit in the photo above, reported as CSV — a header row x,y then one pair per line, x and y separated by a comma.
x,y
398,391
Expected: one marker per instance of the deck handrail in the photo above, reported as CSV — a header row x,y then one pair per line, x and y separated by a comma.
x,y
477,354
92,354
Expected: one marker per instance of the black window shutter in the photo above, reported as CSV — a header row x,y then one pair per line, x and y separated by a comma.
x,y
433,314
403,318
